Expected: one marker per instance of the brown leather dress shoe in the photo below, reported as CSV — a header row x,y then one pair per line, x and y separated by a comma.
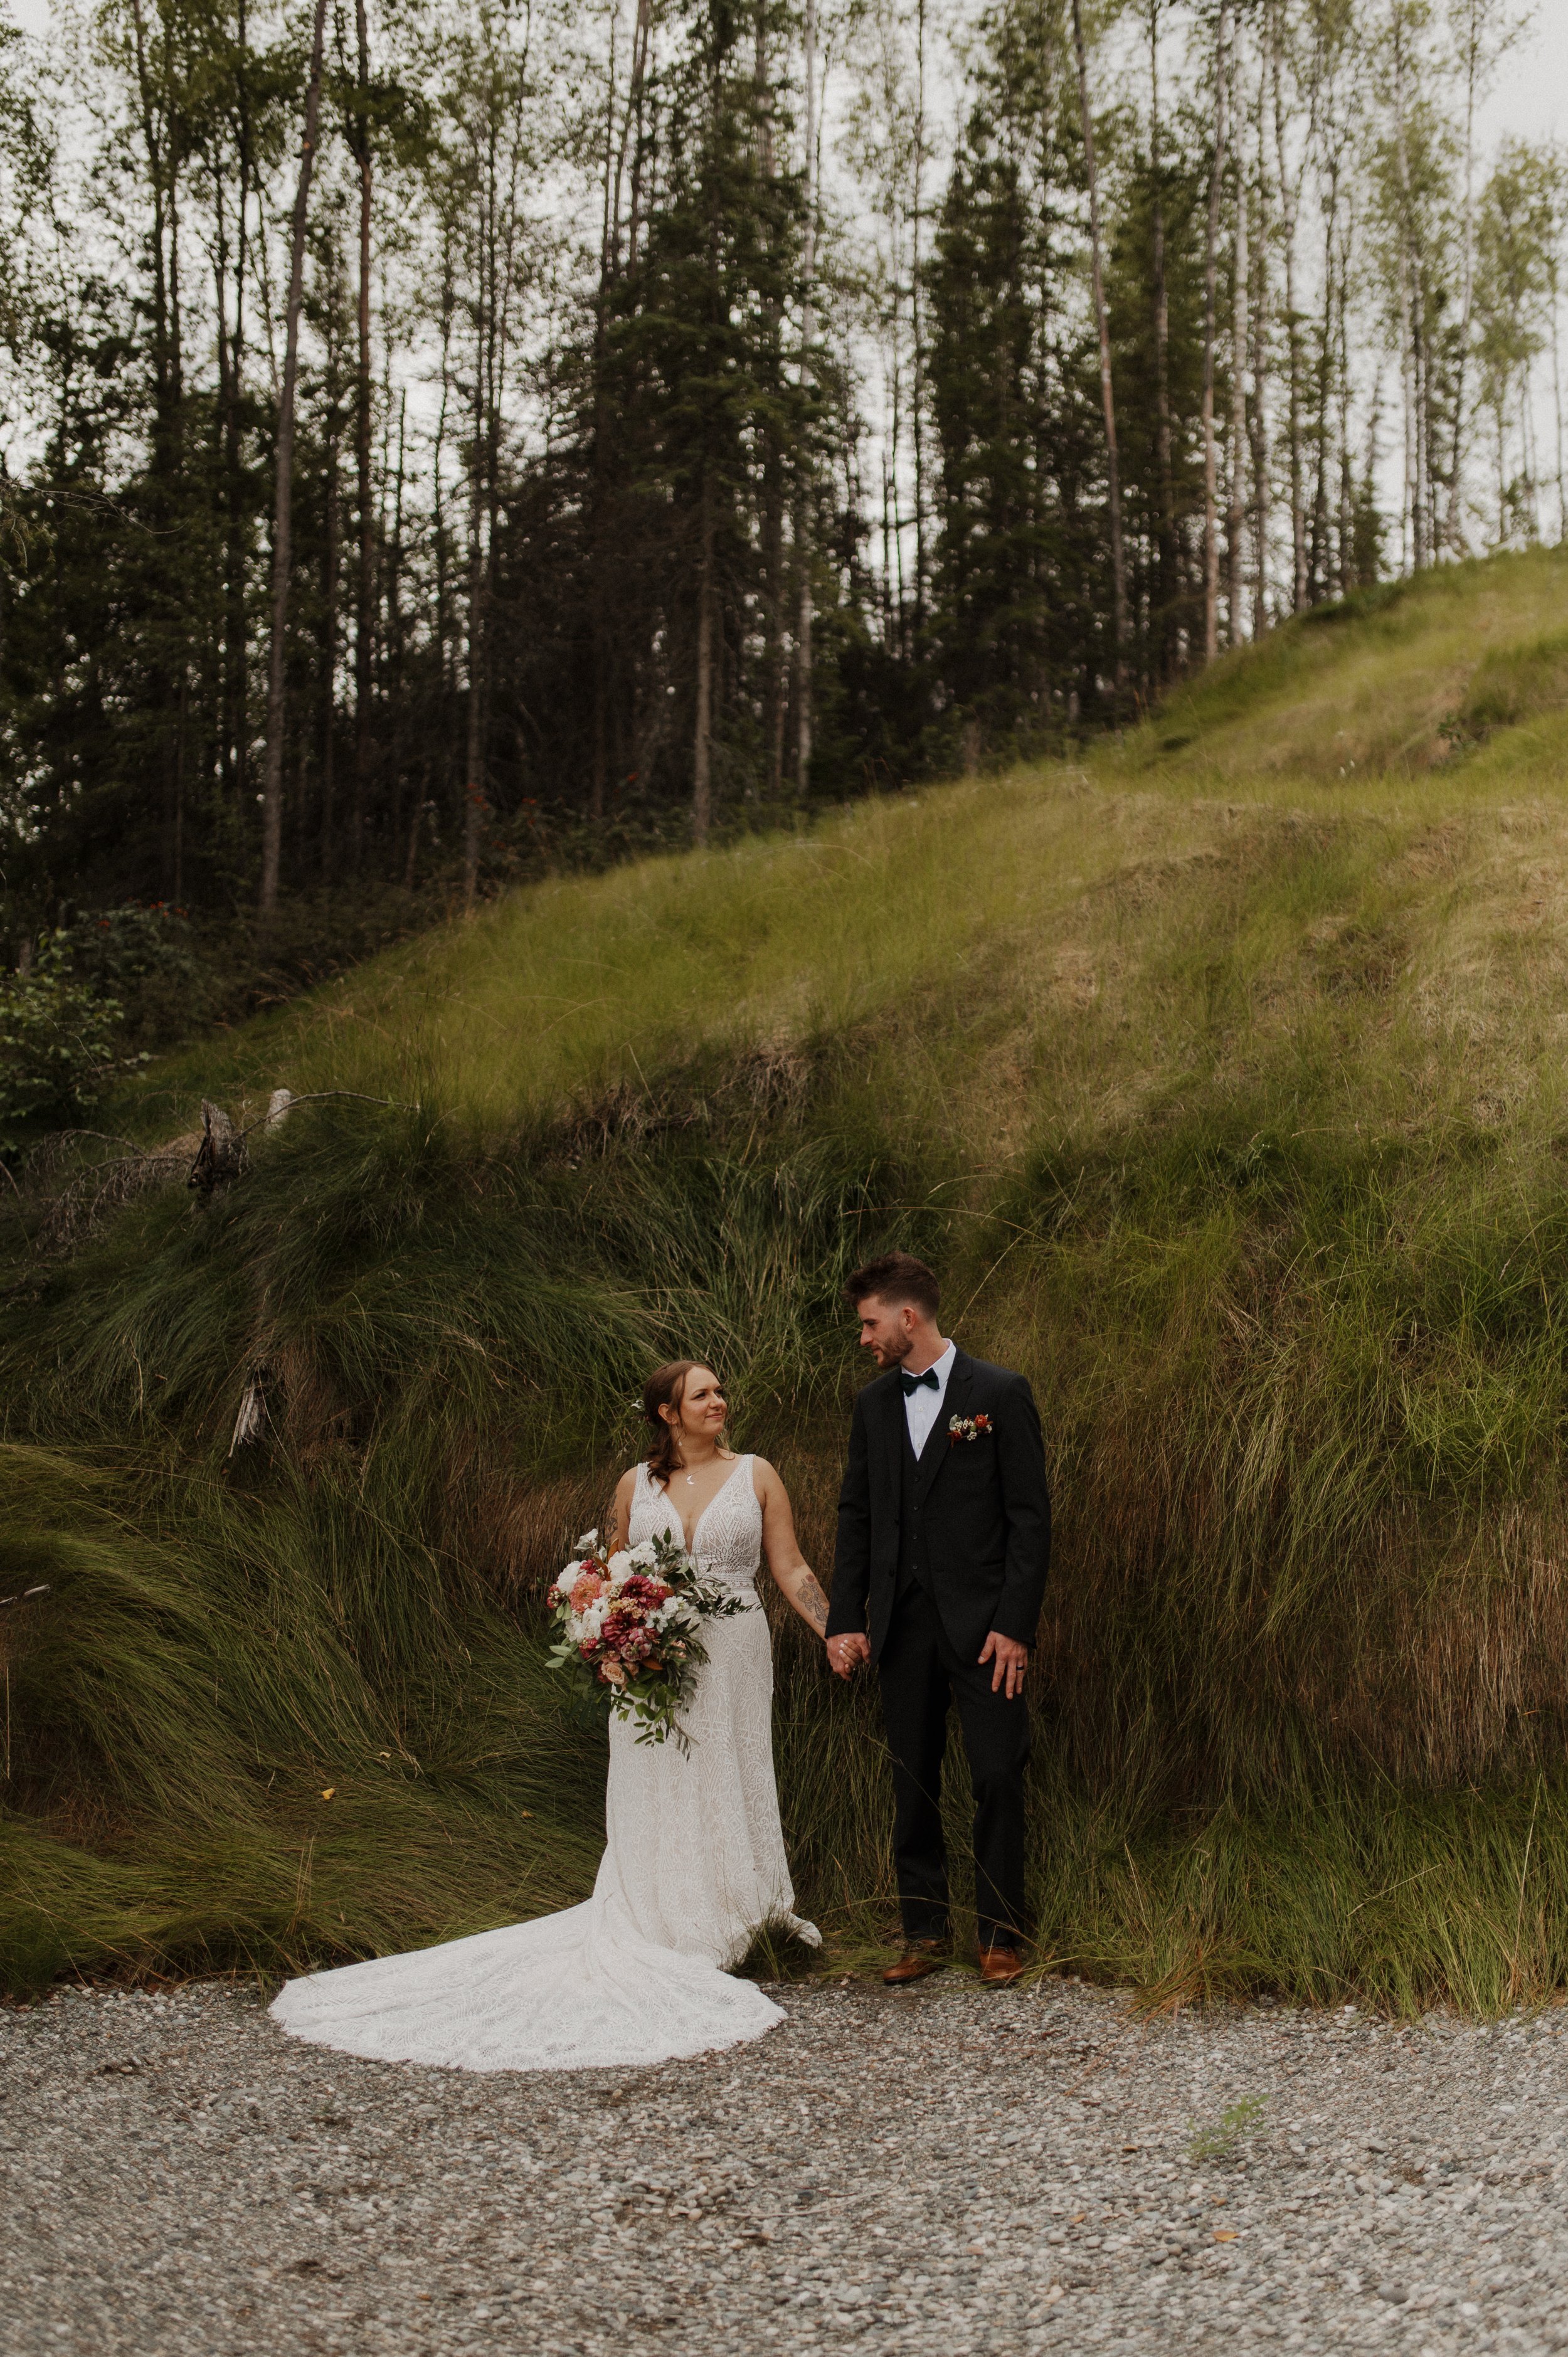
x,y
1000,1967
920,1957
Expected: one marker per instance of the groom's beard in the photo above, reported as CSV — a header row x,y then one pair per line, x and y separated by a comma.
x,y
893,1354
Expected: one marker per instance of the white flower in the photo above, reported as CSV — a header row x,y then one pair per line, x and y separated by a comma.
x,y
587,1544
620,1566
569,1578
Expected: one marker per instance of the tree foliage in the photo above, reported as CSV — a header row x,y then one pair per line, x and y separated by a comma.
x,y
689,425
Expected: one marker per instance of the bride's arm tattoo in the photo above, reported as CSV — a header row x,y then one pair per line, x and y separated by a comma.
x,y
809,1600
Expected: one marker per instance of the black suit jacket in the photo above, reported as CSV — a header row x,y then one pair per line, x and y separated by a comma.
x,y
984,1505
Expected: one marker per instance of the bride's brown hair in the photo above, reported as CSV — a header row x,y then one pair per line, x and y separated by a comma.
x,y
666,1387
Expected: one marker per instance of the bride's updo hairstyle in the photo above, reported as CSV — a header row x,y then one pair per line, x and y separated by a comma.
x,y
666,1387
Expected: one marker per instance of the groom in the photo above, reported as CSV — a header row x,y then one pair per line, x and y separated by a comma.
x,y
944,1539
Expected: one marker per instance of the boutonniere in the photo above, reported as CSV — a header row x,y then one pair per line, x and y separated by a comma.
x,y
967,1427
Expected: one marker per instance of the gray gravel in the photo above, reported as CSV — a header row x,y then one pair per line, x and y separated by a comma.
x,y
939,2169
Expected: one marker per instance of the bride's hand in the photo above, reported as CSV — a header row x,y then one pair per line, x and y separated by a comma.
x,y
845,1653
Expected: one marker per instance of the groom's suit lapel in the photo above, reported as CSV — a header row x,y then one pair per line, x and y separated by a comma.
x,y
934,1455
893,1428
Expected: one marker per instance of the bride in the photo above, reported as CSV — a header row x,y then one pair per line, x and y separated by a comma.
x,y
695,1863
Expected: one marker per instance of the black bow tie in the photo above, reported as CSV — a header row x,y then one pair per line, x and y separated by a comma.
x,y
912,1383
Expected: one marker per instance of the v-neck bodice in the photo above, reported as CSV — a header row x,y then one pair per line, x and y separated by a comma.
x,y
726,1538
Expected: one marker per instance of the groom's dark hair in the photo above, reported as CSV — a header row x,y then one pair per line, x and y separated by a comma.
x,y
896,1277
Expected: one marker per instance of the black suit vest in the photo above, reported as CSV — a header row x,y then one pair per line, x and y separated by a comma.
x,y
914,1564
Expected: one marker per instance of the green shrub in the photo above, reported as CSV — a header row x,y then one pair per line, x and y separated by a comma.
x,y
142,959
1515,684
59,1038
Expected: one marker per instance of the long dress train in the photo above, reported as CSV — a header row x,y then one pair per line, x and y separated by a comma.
x,y
694,1866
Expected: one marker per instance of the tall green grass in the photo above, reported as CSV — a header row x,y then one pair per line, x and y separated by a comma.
x,y
1227,1092
200,1677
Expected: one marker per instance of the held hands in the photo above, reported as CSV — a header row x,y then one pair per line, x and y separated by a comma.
x,y
1011,1659
1012,1662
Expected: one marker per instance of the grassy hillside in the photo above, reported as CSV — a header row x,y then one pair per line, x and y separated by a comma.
x,y
1220,1073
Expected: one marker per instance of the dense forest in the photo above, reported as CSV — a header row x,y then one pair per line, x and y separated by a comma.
x,y
439,440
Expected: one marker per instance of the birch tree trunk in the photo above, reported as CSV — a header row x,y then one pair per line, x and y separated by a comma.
x,y
1261,457
1348,568
1168,588
1211,275
702,737
602,555
1235,521
610,237
330,634
1557,397
1527,449
916,334
1290,199
1107,391
803,533
496,287
1317,544
159,101
282,511
1412,549
474,797
775,609
236,730
152,139
484,319
397,684
1474,19
155,92
365,586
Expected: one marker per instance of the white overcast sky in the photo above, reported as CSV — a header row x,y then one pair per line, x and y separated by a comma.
x,y
1531,96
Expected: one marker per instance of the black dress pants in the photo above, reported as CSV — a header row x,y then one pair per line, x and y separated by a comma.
x,y
920,1675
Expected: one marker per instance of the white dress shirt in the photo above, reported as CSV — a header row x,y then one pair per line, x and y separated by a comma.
x,y
922,1408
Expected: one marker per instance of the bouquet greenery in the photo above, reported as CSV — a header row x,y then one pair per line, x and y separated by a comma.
x,y
632,1623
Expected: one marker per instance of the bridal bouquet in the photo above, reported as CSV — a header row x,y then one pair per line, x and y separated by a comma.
x,y
632,1623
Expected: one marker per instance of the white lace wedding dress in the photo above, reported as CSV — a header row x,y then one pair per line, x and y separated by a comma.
x,y
694,1864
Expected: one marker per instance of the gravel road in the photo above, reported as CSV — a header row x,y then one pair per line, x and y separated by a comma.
x,y
939,2169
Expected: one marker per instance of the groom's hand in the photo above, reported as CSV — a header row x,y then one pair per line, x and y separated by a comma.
x,y
1012,1662
846,1653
